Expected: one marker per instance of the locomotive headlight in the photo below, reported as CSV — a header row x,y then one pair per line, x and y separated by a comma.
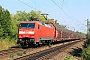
x,y
31,32
21,32
20,39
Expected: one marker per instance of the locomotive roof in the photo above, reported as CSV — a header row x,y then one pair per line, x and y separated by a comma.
x,y
29,22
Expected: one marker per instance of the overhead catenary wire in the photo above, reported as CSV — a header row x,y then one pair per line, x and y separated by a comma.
x,y
62,10
74,17
31,6
38,5
72,14
41,7
27,4
62,3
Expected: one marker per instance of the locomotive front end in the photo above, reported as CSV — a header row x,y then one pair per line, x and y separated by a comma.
x,y
26,33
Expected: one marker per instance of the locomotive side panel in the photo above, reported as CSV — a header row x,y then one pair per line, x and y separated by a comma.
x,y
46,33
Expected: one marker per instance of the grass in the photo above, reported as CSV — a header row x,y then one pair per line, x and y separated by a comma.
x,y
21,53
70,58
24,52
50,45
11,55
88,49
6,44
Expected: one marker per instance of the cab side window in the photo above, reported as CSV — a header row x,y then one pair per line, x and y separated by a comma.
x,y
38,26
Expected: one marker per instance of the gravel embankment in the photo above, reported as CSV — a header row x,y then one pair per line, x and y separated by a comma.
x,y
71,51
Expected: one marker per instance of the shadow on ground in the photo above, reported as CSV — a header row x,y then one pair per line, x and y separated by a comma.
x,y
76,52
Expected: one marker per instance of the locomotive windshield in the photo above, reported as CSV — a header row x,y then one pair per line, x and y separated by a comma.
x,y
27,25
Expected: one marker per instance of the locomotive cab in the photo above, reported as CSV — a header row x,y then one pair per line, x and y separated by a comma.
x,y
26,32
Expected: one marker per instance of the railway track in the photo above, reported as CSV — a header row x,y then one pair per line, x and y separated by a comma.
x,y
46,54
7,52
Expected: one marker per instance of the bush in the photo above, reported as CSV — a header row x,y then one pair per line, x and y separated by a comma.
x,y
86,51
24,52
6,44
67,58
11,55
19,53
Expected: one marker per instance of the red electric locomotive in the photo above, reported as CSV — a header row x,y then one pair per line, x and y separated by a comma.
x,y
34,32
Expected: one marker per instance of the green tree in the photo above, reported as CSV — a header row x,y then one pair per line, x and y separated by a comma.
x,y
25,16
5,23
1,29
14,26
22,15
51,20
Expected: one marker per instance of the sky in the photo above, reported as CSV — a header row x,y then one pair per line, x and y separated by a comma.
x,y
72,13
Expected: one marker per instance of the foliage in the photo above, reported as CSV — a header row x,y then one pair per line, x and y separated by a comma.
x,y
50,45
19,53
67,58
70,58
51,20
81,33
5,23
86,52
11,55
5,44
22,15
25,16
6,35
14,27
24,52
